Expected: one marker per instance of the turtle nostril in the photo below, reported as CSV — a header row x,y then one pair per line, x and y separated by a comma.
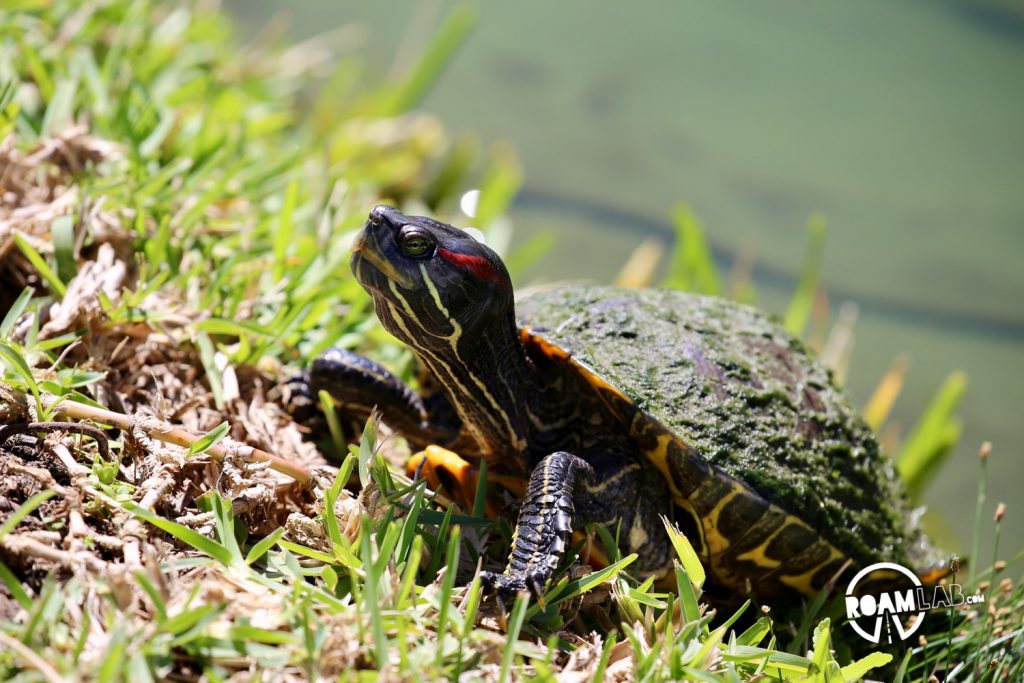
x,y
382,213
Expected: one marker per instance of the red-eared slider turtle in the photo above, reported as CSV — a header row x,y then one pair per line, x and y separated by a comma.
x,y
623,406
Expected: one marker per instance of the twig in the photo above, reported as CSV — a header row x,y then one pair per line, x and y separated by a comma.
x,y
174,435
24,545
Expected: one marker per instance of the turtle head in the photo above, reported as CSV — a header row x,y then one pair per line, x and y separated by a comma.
x,y
429,281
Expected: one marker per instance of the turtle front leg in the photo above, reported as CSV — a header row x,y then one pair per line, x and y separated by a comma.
x,y
546,518
358,385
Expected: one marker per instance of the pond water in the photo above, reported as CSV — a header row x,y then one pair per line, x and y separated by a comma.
x,y
902,122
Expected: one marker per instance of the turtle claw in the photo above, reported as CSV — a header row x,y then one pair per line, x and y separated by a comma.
x,y
502,616
537,587
505,587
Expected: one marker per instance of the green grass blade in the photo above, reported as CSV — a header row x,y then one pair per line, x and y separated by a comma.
x,y
40,264
692,267
409,524
333,423
330,518
58,114
799,311
284,236
213,373
14,312
366,446
37,68
226,527
15,587
480,495
515,624
934,436
606,653
183,534
687,595
63,231
411,569
307,552
208,440
499,186
687,555
529,253
371,597
446,41
592,580
153,592
111,667
901,673
189,624
858,669
447,586
440,547
821,654
24,510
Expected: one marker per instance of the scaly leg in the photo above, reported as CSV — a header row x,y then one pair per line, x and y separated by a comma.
x,y
546,519
358,384
564,493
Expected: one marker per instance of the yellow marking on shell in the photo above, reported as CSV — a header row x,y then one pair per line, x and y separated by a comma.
x,y
759,555
659,456
602,383
716,542
527,336
802,582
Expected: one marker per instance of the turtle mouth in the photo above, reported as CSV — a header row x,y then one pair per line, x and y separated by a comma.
x,y
365,249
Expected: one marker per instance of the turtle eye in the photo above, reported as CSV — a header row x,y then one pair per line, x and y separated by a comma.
x,y
415,242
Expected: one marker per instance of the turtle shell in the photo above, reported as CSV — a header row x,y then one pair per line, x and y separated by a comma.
x,y
743,395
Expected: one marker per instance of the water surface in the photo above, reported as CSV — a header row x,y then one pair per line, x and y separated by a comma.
x,y
902,122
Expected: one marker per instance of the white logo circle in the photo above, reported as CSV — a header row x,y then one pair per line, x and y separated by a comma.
x,y
884,608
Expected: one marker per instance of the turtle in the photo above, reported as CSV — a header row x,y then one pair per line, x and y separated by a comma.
x,y
629,408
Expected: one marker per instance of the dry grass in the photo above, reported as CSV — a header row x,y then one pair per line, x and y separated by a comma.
x,y
175,212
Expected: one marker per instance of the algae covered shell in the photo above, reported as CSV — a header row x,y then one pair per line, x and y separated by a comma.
x,y
746,396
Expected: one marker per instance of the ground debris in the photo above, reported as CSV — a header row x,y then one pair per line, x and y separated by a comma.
x,y
147,366
37,186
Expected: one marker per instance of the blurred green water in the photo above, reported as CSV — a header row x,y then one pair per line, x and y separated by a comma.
x,y
903,122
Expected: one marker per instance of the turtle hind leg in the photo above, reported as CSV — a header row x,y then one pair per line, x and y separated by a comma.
x,y
546,519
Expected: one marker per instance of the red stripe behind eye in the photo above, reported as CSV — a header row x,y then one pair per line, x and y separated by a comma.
x,y
480,267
